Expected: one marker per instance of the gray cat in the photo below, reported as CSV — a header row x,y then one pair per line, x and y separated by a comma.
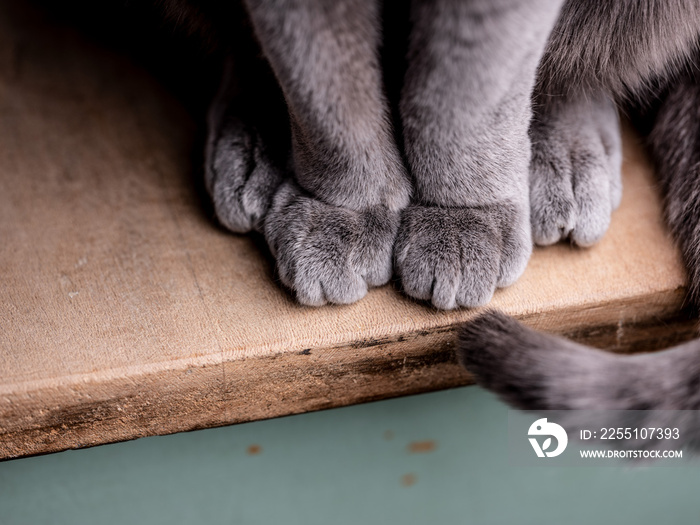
x,y
438,195
449,191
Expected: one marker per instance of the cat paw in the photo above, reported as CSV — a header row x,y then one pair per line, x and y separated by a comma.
x,y
241,176
575,172
329,254
459,256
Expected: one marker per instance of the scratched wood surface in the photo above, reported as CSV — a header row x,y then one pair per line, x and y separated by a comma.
x,y
125,311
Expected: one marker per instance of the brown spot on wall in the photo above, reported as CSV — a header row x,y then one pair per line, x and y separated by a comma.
x,y
254,450
408,479
418,447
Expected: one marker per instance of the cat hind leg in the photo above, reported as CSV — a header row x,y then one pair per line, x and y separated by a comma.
x,y
575,179
248,145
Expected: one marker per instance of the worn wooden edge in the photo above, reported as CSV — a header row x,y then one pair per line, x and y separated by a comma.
x,y
191,394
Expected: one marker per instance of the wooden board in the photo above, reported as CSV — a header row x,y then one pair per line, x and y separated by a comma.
x,y
125,311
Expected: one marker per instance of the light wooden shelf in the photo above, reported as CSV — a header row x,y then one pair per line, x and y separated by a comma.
x,y
126,312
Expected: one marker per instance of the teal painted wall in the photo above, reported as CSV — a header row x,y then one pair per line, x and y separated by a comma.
x,y
344,466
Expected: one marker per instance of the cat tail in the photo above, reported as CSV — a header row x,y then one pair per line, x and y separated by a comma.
x,y
532,370
536,371
675,147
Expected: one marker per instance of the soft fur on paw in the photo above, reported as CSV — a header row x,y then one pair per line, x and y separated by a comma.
x,y
241,175
459,256
329,254
575,171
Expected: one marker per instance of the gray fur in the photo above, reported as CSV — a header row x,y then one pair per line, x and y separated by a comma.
x,y
536,371
465,109
575,169
326,253
466,99
545,372
242,171
675,147
458,256
471,146
466,102
618,47
325,229
325,57
609,49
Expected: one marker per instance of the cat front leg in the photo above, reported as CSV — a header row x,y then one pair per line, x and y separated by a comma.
x,y
465,109
332,228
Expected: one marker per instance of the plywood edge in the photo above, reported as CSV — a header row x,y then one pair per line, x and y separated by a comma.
x,y
189,394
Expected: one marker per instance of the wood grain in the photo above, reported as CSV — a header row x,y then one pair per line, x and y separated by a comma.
x,y
125,311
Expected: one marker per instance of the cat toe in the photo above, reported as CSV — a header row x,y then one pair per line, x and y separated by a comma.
x,y
315,289
593,217
516,243
574,203
580,214
552,204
